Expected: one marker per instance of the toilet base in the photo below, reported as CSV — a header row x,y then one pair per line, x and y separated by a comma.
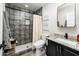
x,y
40,51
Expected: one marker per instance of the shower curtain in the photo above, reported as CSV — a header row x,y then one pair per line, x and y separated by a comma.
x,y
6,31
37,28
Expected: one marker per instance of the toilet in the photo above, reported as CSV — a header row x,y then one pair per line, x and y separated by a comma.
x,y
38,45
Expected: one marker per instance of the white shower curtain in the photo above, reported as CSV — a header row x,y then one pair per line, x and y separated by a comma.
x,y
37,28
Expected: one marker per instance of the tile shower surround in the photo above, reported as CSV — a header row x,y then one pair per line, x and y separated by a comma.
x,y
19,30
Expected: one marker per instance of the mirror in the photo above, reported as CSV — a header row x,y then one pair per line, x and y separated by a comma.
x,y
66,15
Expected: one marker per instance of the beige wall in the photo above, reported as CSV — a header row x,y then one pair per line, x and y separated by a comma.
x,y
51,11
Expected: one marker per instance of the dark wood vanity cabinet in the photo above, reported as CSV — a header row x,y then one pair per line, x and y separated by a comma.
x,y
51,49
67,51
55,49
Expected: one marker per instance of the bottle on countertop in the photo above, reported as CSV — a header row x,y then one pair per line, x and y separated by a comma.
x,y
78,38
66,35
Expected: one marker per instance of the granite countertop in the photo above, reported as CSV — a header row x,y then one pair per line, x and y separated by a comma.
x,y
66,42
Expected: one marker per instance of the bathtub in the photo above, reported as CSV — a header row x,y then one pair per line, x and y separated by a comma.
x,y
23,47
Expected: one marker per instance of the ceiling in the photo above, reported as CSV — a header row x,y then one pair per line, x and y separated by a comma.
x,y
32,6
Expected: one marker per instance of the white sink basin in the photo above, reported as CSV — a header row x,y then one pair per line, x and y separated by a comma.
x,y
39,43
66,41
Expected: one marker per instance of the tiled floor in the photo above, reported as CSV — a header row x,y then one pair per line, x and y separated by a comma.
x,y
31,53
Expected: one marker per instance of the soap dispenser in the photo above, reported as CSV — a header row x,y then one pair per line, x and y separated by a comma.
x,y
66,35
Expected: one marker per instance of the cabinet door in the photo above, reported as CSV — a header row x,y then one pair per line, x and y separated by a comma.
x,y
67,52
59,50
51,49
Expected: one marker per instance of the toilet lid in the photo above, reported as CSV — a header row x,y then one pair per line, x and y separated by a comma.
x,y
39,43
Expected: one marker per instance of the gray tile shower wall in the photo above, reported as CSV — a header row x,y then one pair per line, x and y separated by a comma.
x,y
19,30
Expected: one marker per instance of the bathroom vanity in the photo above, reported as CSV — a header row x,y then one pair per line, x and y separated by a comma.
x,y
66,18
59,48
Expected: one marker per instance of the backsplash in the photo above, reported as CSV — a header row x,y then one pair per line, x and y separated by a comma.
x,y
72,37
